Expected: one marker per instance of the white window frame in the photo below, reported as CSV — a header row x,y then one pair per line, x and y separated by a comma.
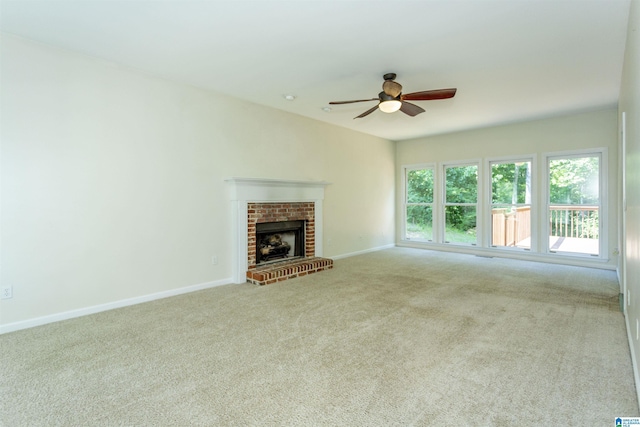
x,y
603,206
479,197
488,226
434,204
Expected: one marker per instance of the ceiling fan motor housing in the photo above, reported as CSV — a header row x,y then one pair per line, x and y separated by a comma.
x,y
386,97
390,87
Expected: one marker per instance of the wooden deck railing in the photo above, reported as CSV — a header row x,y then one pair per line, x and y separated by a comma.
x,y
571,221
510,226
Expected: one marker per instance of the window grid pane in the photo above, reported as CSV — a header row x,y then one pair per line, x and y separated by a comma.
x,y
460,207
419,225
574,199
419,204
511,226
420,186
460,224
461,184
511,183
511,204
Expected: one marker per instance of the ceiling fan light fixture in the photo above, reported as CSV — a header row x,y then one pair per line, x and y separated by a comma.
x,y
390,106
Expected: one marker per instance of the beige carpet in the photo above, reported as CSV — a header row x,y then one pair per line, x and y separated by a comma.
x,y
400,337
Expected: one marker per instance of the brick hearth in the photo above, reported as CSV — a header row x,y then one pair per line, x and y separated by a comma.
x,y
287,270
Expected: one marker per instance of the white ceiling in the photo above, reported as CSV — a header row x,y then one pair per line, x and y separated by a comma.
x,y
511,60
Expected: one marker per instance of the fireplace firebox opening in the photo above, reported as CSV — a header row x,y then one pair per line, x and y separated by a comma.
x,y
278,241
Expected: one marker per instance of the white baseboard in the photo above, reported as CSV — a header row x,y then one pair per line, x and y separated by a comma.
x,y
38,321
577,261
379,248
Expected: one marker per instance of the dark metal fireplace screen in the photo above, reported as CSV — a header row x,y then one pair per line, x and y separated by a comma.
x,y
279,240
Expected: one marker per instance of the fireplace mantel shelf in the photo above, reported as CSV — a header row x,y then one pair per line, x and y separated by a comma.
x,y
273,181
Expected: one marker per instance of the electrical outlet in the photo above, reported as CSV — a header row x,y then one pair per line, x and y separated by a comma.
x,y
214,260
6,292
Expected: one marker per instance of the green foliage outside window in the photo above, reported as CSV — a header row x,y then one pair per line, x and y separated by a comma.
x,y
510,183
420,186
419,197
574,181
462,184
461,187
419,222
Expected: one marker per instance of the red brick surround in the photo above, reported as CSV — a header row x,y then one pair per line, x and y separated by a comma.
x,y
274,212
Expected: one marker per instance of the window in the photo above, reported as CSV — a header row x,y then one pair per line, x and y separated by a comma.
x,y
419,204
460,204
574,204
511,204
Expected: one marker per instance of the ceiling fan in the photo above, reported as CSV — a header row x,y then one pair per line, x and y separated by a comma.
x,y
391,98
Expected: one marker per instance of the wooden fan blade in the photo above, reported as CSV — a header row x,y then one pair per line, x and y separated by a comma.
x,y
429,95
411,109
366,113
351,102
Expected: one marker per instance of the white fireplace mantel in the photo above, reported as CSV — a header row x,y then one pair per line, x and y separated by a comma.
x,y
246,190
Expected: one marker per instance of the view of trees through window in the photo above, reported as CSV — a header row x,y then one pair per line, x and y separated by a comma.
x,y
460,204
419,204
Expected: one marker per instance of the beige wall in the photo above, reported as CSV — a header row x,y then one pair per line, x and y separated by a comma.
x,y
595,129
630,106
113,180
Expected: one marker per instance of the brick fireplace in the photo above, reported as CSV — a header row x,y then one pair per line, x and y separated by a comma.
x,y
274,213
270,201
279,213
